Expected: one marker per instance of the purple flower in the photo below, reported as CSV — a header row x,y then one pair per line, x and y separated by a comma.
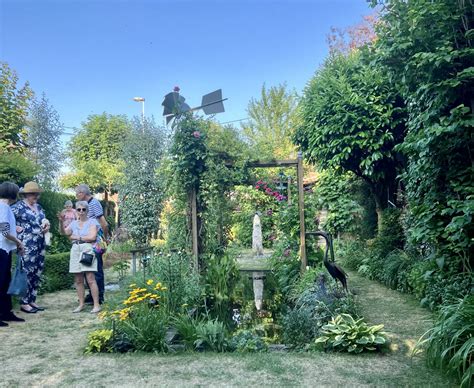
x,y
287,252
269,212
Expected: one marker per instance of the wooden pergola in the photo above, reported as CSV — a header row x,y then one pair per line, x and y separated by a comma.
x,y
298,163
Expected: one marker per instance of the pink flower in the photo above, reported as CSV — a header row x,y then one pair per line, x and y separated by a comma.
x,y
269,212
197,134
257,187
268,190
287,252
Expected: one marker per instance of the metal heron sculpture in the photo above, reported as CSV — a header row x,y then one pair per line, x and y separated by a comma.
x,y
334,269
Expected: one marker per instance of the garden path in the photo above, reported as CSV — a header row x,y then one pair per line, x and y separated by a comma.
x,y
47,351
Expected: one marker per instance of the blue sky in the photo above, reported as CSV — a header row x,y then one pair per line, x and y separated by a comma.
x,y
95,56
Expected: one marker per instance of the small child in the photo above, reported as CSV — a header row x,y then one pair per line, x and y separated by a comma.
x,y
68,214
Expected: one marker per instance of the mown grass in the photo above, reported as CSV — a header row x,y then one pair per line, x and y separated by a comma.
x,y
48,351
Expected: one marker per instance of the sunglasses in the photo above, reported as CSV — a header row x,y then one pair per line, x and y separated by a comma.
x,y
81,209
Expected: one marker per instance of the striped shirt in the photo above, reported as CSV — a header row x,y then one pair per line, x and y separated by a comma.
x,y
95,209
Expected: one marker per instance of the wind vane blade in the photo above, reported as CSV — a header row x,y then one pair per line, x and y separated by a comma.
x,y
212,103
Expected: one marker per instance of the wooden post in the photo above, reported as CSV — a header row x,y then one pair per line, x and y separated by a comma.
x,y
134,263
194,227
301,211
289,190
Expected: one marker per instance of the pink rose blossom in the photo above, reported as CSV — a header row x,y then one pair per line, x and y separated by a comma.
x,y
197,134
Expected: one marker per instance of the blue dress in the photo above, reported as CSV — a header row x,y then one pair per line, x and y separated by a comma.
x,y
32,238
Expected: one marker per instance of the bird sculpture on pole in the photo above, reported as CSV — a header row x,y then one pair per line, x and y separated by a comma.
x,y
334,269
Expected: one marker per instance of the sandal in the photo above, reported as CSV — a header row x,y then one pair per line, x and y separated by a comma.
x,y
96,310
78,309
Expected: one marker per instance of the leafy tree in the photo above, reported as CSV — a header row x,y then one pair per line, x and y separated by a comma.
x,y
16,168
43,138
140,189
96,153
335,193
273,119
352,119
13,109
427,48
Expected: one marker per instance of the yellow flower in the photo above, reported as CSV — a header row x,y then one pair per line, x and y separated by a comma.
x,y
164,288
102,315
149,282
132,285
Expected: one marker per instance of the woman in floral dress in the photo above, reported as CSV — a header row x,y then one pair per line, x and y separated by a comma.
x,y
29,216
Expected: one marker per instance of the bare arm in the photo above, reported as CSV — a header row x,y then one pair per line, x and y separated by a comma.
x,y
104,226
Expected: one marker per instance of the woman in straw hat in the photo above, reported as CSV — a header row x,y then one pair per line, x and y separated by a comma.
x,y
29,217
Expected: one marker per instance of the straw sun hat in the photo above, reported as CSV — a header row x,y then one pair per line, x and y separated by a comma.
x,y
31,188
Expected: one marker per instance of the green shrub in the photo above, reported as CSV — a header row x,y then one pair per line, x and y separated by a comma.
x,y
56,274
351,253
324,305
221,279
298,327
146,328
245,341
186,328
345,334
183,283
450,343
99,341
211,335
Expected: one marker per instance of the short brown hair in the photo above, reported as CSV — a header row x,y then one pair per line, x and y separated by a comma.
x,y
8,190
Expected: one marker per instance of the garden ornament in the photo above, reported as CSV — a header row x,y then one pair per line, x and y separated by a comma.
x,y
257,245
334,270
174,104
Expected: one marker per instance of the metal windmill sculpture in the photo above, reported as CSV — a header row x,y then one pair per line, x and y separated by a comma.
x,y
174,104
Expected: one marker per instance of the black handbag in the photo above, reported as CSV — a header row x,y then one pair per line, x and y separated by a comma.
x,y
87,259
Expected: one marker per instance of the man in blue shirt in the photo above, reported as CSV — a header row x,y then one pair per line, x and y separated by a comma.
x,y
96,211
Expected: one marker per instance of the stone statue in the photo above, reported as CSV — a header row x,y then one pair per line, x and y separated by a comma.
x,y
257,245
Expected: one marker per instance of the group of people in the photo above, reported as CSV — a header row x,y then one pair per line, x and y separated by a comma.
x,y
23,227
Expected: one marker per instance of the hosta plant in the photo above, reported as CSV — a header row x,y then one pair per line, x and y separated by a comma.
x,y
345,334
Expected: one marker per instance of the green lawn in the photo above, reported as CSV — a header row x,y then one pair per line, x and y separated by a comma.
x,y
47,351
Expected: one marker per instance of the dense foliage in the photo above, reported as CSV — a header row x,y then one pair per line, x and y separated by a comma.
x,y
352,119
95,152
141,187
426,48
449,344
14,102
44,143
272,120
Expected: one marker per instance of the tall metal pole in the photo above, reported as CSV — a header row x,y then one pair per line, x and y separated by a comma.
x,y
301,211
143,115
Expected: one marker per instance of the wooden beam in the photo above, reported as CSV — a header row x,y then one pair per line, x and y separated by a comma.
x,y
301,212
194,231
274,163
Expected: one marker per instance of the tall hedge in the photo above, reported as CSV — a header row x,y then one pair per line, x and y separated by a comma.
x,y
56,274
52,204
